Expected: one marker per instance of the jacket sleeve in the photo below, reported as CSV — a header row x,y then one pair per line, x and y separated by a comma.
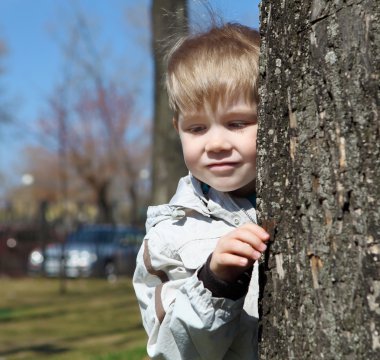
x,y
181,317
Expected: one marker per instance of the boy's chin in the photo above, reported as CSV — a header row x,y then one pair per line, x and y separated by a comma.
x,y
244,190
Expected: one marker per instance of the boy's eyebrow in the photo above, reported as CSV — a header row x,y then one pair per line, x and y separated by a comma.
x,y
241,112
252,113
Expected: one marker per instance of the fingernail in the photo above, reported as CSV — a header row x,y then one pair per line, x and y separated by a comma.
x,y
256,255
263,247
243,261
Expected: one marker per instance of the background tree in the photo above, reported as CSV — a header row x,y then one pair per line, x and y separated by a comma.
x,y
318,179
169,19
92,117
2,52
4,110
5,106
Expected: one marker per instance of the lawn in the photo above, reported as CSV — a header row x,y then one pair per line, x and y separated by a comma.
x,y
93,319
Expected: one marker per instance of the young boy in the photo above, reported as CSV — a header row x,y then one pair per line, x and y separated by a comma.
x,y
197,274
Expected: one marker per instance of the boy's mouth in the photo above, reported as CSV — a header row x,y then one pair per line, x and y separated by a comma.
x,y
222,165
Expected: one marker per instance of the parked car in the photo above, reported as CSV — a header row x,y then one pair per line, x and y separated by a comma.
x,y
92,251
16,243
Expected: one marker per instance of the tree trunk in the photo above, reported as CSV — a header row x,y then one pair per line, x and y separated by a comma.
x,y
169,17
105,215
318,179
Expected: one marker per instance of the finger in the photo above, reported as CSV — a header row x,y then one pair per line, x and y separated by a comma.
x,y
257,230
227,259
242,249
247,236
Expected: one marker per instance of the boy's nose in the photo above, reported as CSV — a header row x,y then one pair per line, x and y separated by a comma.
x,y
217,143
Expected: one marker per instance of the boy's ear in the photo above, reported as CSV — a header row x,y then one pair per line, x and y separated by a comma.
x,y
175,123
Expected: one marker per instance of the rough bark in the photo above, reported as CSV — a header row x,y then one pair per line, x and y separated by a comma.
x,y
169,17
318,179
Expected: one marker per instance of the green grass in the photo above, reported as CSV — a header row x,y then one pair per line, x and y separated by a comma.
x,y
93,319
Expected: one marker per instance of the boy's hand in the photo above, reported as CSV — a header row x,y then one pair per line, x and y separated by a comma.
x,y
237,251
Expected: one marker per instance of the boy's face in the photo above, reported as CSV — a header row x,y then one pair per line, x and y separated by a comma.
x,y
219,146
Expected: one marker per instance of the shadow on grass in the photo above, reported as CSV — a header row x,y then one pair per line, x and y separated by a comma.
x,y
45,349
132,331
13,315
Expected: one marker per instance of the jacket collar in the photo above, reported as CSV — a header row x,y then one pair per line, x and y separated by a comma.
x,y
189,197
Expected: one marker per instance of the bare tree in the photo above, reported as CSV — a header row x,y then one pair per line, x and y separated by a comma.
x,y
318,179
101,141
169,18
5,115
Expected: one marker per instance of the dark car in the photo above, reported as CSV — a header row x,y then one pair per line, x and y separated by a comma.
x,y
16,243
96,251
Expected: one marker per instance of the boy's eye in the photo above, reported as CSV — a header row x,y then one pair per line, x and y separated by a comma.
x,y
196,129
237,124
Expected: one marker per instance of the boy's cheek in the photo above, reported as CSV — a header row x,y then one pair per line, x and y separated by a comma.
x,y
190,159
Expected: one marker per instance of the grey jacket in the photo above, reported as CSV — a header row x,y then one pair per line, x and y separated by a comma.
x,y
182,318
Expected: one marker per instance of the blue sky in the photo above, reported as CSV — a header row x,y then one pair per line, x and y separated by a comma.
x,y
33,64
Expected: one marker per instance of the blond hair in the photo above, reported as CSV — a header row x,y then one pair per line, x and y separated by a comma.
x,y
217,65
